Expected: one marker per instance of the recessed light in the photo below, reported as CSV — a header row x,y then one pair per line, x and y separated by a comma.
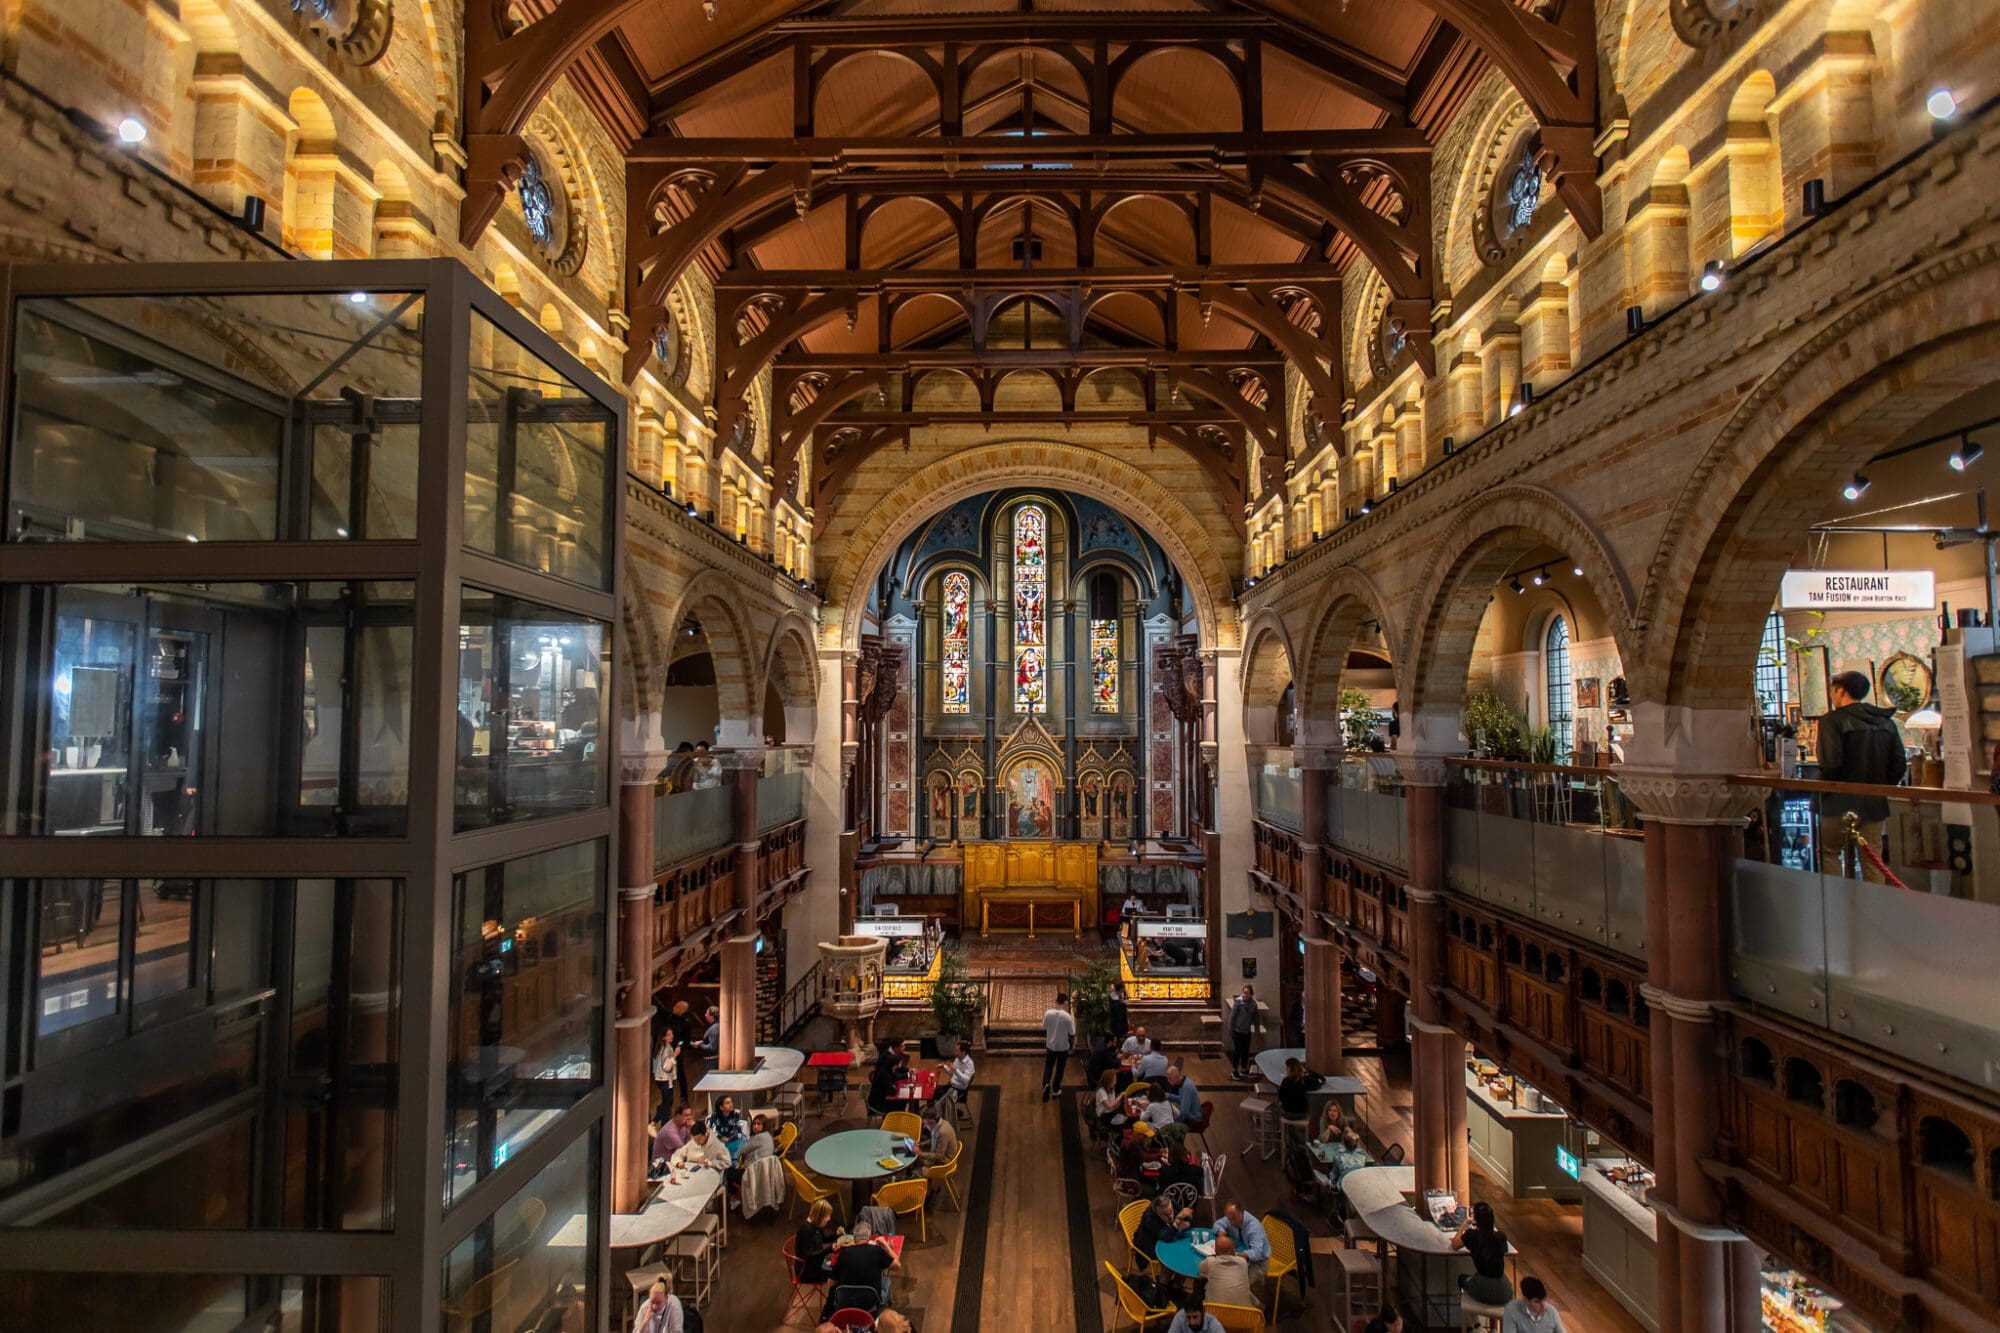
x,y
1941,104
131,131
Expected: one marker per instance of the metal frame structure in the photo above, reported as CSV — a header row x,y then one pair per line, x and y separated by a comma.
x,y
437,562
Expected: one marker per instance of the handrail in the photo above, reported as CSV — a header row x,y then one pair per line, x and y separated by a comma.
x,y
1942,795
798,1006
1523,765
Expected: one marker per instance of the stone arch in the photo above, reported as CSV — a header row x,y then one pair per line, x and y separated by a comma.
x,y
1268,670
310,176
640,652
1347,598
791,669
711,598
1486,538
1887,363
1500,118
1045,463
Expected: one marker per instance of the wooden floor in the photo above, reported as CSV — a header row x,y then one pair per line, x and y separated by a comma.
x,y
1019,1257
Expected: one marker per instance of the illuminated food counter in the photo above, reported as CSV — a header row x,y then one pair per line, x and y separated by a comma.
x,y
1164,958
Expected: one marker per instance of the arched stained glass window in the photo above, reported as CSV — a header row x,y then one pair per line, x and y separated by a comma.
x,y
1031,687
956,658
1771,667
538,203
1103,666
1555,658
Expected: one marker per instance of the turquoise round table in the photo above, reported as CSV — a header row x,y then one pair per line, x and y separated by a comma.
x,y
856,1155
1180,1256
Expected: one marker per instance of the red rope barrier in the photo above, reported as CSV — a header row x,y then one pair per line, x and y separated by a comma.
x,y
1874,859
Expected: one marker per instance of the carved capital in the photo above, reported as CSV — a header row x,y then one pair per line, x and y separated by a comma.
x,y
1422,770
1700,23
1678,1006
1687,798
639,768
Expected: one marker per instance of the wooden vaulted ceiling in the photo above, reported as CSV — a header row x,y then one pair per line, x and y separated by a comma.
x,y
875,184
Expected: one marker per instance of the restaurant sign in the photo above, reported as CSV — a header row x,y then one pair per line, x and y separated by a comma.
x,y
1858,590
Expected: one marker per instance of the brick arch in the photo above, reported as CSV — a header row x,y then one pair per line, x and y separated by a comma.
x,y
709,597
1269,667
790,664
1488,537
1347,597
1854,388
1500,121
644,665
1041,463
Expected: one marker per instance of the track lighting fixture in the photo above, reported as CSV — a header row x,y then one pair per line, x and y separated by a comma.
x,y
1367,506
1965,455
1853,489
1576,570
1711,275
1537,580
1515,584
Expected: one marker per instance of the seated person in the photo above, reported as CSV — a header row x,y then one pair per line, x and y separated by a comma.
x,y
960,1071
1228,1276
813,1242
1182,1167
1160,1223
701,1149
1103,1058
1333,1123
1487,1244
1247,1233
1151,1066
1531,1311
1348,1156
758,1145
668,1140
1388,1320
660,1312
1294,1099
727,1122
1136,1043
1191,1318
889,1071
1106,1102
1181,1091
1157,1112
862,1261
943,1136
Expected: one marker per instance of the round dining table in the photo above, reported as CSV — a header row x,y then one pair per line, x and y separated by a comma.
x,y
1180,1256
856,1155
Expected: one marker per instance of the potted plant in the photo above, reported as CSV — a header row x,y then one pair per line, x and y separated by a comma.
x,y
957,1002
1358,720
1090,998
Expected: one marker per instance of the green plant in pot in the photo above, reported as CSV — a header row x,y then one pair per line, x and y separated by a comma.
x,y
955,1000
1495,730
1358,719
1090,997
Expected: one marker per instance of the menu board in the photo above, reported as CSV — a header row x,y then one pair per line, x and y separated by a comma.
x,y
890,927
1173,930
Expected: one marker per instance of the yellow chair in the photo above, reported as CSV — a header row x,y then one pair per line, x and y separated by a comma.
x,y
1131,1307
1136,1090
905,1197
482,1297
1236,1318
946,1174
807,1191
788,1134
1284,1259
1128,1222
904,1123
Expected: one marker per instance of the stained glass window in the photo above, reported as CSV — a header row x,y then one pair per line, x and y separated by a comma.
x,y
1561,714
1104,666
1031,687
538,203
957,657
1524,192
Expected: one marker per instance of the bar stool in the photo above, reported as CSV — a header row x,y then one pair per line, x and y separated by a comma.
x,y
1263,1126
693,1257
791,1100
1360,1275
1474,1315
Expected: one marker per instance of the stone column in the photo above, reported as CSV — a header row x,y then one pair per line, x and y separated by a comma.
x,y
1322,982
642,755
1677,777
738,997
1437,1054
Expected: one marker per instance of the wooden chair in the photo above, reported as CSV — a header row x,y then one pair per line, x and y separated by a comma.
x,y
802,1290
904,1197
1131,1307
1284,1260
904,1123
482,1297
1128,1222
946,1174
806,1190
788,1134
1236,1318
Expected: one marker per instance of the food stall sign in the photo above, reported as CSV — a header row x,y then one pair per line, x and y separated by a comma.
x,y
1858,590
890,928
1173,930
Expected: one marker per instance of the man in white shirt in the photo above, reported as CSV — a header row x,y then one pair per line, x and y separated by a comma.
x,y
1138,1043
702,1149
960,1070
1058,1035
1531,1312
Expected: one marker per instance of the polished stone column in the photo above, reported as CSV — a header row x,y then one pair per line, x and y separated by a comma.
x,y
1322,980
1437,1054
632,1090
738,997
1677,775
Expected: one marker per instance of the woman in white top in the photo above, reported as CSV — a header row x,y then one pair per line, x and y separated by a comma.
x,y
658,1313
1109,1106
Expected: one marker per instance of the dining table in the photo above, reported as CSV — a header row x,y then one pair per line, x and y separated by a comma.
x,y
1181,1256
672,1206
857,1156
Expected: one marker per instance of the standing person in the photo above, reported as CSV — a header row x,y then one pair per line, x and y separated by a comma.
x,y
666,1070
1296,1019
1487,1244
1531,1312
1242,1027
1103,1058
680,1022
1858,742
1058,1035
1121,1016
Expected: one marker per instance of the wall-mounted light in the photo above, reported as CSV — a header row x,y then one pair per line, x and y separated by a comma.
x,y
1449,445
1367,507
1815,197
1515,410
131,131
1527,393
1941,104
1853,489
1711,275
1965,455
357,298
1635,320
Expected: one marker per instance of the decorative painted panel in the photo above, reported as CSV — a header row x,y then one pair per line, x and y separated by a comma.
x,y
955,661
1104,666
1031,800
1031,689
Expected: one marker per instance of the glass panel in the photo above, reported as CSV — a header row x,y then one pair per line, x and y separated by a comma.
x,y
1104,666
82,927
1031,691
172,417
139,741
163,938
536,449
201,1180
955,670
527,988
529,1264
688,823
194,1302
530,710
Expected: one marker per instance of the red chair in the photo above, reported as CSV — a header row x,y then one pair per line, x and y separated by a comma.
x,y
1199,1128
801,1291
852,1318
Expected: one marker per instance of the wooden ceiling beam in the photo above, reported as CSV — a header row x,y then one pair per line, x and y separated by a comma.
x,y
974,151
1095,280
1031,358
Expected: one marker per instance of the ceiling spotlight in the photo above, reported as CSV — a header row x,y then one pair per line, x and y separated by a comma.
x,y
1965,456
1515,584
1941,104
1576,570
1711,275
1538,578
1853,489
357,298
1366,506
131,131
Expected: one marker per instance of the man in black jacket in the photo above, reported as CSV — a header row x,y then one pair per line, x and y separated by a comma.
x,y
1858,742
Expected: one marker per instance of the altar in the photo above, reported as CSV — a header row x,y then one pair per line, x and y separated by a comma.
x,y
1011,887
